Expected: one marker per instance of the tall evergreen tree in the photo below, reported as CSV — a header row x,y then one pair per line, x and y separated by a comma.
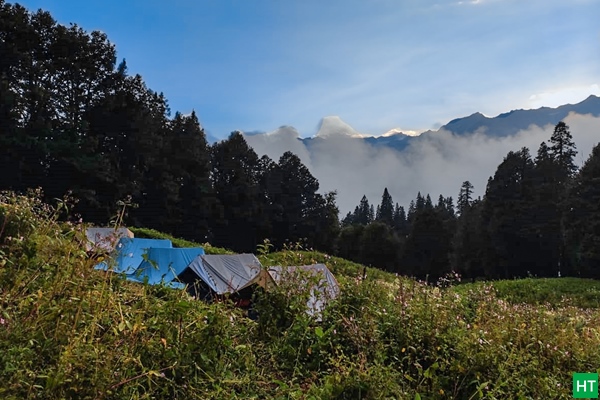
x,y
235,175
582,220
507,214
563,151
386,209
400,223
419,203
427,248
465,197
470,243
348,219
546,212
412,211
428,203
362,213
295,191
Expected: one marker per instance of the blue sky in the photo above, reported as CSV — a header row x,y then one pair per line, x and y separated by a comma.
x,y
380,64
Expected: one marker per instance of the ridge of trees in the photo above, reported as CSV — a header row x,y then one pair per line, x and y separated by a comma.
x,y
73,120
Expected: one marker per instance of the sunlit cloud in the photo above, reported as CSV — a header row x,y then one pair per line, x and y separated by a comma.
x,y
560,96
435,163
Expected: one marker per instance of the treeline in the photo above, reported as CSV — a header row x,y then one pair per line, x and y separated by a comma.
x,y
539,217
72,119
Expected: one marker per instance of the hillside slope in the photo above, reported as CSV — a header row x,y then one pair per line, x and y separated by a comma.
x,y
69,331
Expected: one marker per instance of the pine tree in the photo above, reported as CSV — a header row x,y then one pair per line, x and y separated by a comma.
x,y
563,151
508,216
400,223
546,212
412,211
235,179
427,248
450,207
420,203
470,242
295,193
428,203
465,197
385,212
582,220
362,213
348,219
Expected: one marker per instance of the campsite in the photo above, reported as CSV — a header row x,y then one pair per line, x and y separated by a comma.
x,y
156,262
70,329
299,200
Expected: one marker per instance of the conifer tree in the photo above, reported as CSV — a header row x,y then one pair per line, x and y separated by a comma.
x,y
465,197
582,220
385,212
563,151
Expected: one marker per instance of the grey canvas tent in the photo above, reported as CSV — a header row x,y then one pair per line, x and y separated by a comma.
x,y
226,273
325,285
105,239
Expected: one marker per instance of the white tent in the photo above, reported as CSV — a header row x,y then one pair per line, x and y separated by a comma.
x,y
105,239
228,273
324,289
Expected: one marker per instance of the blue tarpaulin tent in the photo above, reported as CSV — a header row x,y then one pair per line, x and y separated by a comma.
x,y
163,265
129,254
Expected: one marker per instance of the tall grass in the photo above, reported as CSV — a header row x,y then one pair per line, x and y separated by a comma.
x,y
69,331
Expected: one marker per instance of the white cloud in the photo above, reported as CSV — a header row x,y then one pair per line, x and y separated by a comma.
x,y
565,95
435,164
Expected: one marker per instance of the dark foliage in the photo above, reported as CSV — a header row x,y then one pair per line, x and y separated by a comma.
x,y
73,120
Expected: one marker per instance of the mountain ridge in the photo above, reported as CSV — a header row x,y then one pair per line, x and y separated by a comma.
x,y
503,125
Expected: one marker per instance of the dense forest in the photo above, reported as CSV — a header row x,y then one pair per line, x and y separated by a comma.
x,y
73,120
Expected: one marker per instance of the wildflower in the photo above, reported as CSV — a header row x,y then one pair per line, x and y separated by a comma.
x,y
2,321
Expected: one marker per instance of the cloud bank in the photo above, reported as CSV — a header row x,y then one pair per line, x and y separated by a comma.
x,y
435,163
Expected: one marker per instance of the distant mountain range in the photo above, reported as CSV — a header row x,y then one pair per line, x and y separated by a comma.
x,y
506,124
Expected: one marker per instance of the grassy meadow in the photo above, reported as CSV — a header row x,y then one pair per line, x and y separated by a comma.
x,y
68,331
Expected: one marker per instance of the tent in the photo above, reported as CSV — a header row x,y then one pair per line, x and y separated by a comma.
x,y
129,254
326,288
226,273
163,265
105,239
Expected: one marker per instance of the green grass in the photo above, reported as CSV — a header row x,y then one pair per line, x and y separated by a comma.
x,y
584,293
177,242
68,331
